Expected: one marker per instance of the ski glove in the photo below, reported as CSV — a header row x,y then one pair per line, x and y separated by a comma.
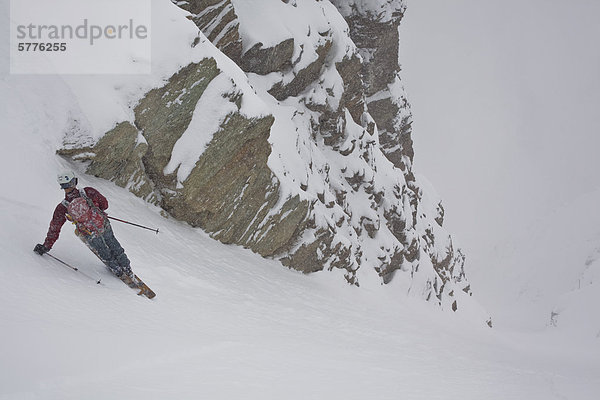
x,y
41,249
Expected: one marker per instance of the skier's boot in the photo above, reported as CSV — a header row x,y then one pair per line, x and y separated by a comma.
x,y
129,281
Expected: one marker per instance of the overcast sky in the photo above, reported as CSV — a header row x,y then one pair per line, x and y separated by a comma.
x,y
506,104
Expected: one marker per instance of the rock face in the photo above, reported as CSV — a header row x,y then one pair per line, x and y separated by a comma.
x,y
263,61
218,21
374,30
321,180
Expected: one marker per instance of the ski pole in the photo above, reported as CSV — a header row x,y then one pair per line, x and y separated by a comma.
x,y
72,267
131,223
63,263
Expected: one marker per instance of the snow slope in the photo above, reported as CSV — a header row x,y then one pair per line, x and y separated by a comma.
x,y
491,118
554,283
229,324
226,324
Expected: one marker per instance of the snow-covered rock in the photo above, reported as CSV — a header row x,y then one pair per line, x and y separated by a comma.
x,y
290,134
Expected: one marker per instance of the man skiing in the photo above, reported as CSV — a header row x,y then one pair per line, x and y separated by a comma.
x,y
86,209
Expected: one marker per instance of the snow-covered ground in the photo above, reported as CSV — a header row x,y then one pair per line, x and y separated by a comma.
x,y
556,281
226,324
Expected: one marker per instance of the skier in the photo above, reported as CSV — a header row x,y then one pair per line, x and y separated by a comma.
x,y
86,209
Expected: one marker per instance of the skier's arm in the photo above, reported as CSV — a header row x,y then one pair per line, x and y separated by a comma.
x,y
99,200
58,220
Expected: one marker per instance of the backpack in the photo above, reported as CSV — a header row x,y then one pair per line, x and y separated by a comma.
x,y
85,215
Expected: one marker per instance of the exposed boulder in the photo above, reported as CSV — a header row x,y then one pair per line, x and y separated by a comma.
x,y
263,61
164,114
303,77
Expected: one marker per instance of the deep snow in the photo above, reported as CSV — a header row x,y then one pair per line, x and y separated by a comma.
x,y
226,324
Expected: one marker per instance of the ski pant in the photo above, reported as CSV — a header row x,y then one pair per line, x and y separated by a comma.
x,y
110,251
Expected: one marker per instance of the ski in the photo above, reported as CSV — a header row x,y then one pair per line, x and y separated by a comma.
x,y
137,284
144,289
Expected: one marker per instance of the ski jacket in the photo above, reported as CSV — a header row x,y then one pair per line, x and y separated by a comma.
x,y
60,212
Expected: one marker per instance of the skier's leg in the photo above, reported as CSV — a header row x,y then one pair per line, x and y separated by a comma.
x,y
99,246
117,252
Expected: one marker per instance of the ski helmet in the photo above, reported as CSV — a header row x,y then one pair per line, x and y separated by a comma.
x,y
66,179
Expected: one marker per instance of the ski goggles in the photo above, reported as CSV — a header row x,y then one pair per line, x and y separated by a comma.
x,y
71,183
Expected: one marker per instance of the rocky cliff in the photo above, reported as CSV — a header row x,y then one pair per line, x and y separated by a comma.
x,y
306,158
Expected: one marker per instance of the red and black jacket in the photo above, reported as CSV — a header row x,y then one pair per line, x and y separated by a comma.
x,y
60,212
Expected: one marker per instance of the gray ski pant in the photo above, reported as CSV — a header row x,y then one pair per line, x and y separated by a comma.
x,y
110,251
